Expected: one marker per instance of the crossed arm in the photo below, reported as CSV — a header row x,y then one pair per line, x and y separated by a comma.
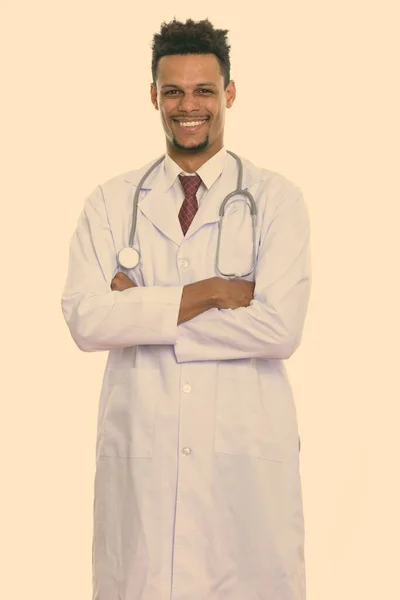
x,y
201,296
213,319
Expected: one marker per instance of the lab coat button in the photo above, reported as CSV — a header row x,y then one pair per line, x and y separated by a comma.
x,y
187,389
183,263
186,451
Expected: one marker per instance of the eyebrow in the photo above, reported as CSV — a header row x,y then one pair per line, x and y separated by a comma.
x,y
173,85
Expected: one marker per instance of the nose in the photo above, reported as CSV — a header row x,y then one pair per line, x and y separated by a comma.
x,y
188,102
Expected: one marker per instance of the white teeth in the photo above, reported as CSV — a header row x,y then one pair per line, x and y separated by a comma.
x,y
191,124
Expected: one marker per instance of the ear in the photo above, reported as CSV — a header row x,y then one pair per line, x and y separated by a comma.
x,y
230,94
153,95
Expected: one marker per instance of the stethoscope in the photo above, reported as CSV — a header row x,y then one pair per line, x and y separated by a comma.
x,y
129,257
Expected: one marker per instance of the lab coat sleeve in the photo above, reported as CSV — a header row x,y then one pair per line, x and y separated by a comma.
x,y
272,326
99,318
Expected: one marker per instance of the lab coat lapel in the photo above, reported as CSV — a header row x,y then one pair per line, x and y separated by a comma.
x,y
159,207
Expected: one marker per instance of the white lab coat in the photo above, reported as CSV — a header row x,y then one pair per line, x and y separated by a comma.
x,y
197,488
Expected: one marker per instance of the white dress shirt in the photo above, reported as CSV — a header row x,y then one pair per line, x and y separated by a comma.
x,y
209,173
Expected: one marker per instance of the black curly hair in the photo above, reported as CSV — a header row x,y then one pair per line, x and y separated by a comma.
x,y
191,38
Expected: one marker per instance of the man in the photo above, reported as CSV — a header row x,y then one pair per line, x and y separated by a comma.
x,y
197,490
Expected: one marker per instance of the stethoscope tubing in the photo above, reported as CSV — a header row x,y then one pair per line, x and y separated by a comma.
x,y
238,192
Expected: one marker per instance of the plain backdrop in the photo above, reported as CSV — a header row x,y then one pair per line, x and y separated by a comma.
x,y
318,101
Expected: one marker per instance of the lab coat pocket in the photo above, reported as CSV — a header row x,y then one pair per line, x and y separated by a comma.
x,y
128,425
236,245
244,424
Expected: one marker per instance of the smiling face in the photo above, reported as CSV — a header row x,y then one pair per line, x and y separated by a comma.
x,y
190,96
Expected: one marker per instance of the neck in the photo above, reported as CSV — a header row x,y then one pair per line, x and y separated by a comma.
x,y
191,162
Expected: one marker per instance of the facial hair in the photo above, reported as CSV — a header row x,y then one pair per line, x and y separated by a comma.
x,y
197,148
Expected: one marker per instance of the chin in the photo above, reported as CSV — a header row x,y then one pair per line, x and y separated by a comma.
x,y
194,148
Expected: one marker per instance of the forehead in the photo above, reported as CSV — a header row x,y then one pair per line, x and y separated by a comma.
x,y
189,69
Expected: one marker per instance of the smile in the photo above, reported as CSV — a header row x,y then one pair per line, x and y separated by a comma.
x,y
191,125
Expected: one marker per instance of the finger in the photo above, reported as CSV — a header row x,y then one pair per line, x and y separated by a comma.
x,y
123,278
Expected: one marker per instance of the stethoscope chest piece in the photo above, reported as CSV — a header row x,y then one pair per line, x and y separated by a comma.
x,y
128,257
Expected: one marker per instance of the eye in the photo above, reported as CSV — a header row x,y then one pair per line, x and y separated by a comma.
x,y
205,91
171,92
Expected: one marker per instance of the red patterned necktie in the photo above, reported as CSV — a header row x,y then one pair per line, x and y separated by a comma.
x,y
190,184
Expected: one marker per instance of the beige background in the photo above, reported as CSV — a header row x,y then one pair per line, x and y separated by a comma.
x,y
317,101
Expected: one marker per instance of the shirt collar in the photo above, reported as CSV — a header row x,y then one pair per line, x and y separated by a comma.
x,y
209,172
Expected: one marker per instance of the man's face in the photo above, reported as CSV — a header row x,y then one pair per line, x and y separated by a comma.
x,y
190,96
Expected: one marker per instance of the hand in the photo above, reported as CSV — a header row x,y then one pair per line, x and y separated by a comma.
x,y
121,282
233,293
